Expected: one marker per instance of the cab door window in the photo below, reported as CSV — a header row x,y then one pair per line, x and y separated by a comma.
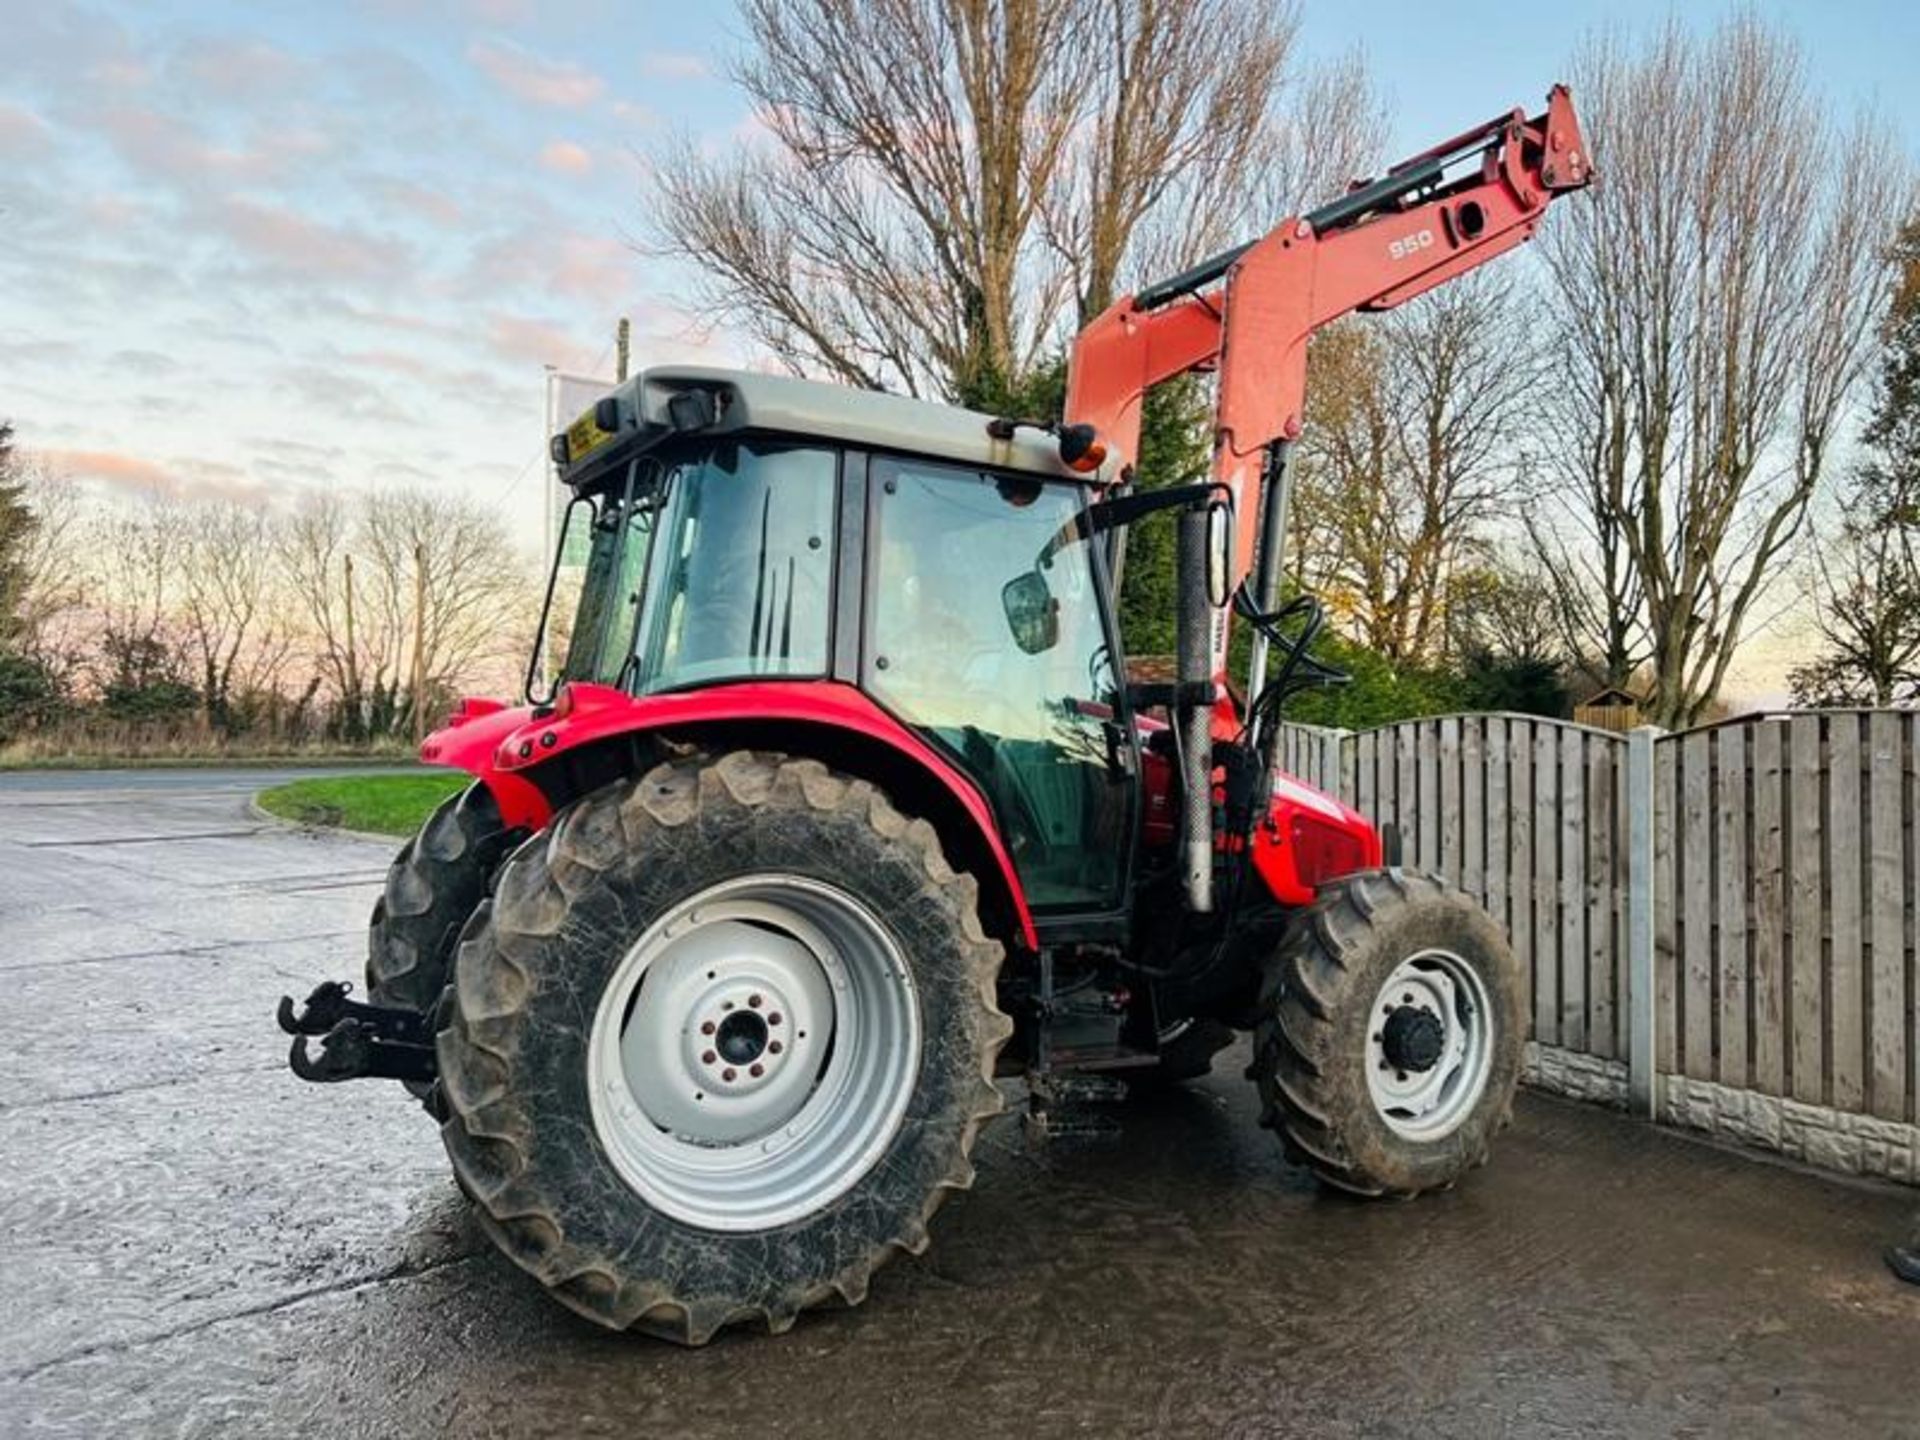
x,y
1038,731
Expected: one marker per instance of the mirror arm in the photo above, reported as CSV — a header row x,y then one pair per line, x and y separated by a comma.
x,y
1105,515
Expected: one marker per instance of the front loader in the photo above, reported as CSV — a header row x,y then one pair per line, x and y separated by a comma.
x,y
842,804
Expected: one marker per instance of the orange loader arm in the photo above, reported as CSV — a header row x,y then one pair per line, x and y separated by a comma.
x,y
1250,311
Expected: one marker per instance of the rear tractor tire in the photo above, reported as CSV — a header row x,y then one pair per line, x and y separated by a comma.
x,y
435,883
720,1044
1391,1039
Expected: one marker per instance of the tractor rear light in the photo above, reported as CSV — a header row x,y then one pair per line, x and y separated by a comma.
x,y
1323,851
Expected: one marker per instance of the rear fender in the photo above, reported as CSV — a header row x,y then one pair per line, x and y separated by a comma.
x,y
542,751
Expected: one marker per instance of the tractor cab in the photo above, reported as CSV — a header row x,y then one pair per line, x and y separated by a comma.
x,y
752,529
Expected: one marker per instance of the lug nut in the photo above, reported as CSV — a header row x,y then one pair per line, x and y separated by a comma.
x,y
774,1018
756,1070
754,1001
728,1073
773,1047
706,1028
708,1057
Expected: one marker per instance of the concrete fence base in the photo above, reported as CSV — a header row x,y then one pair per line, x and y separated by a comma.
x,y
1831,1139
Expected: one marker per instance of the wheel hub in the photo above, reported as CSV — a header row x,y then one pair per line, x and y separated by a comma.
x,y
1413,1039
742,1037
753,1052
1431,1044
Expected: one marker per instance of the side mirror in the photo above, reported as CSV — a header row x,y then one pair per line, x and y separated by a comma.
x,y
1033,615
1219,554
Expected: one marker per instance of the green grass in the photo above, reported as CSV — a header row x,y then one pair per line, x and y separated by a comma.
x,y
380,804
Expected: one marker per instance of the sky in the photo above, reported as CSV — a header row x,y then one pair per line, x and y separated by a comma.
x,y
276,246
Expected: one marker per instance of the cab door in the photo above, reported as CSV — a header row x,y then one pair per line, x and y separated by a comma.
x,y
1042,732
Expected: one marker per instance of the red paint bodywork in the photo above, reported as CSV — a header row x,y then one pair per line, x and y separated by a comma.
x,y
505,747
1255,326
1308,838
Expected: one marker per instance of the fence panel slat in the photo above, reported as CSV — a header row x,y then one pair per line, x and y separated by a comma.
x,y
1450,827
1426,800
1730,903
1499,814
1886,995
1806,953
1845,967
1473,814
1604,886
1666,906
1367,751
1520,851
1769,912
1572,890
1696,907
1546,920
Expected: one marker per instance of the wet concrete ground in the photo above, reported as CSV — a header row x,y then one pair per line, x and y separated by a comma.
x,y
192,1242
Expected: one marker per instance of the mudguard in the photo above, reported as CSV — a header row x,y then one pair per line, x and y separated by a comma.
x,y
1307,838
506,748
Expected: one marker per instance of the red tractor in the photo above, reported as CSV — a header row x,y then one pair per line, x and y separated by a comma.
x,y
842,805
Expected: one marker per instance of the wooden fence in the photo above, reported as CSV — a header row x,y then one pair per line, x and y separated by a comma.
x,y
1768,868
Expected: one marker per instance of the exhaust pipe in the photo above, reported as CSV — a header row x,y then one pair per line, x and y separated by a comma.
x,y
1194,622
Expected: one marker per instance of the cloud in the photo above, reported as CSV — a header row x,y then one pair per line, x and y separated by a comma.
x,y
534,78
537,342
288,239
151,361
242,70
21,131
185,476
422,202
665,65
566,158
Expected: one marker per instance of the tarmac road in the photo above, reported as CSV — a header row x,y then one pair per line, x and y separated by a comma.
x,y
194,1243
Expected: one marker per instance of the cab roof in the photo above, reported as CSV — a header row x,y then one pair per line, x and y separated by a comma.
x,y
784,405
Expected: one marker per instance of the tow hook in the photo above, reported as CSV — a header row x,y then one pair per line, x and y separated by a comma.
x,y
357,1041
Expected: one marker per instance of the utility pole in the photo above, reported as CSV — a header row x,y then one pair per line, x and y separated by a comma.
x,y
419,644
621,335
352,698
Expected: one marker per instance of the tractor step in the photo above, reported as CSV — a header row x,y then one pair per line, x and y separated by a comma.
x,y
357,1041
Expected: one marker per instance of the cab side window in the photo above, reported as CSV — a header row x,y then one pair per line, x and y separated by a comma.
x,y
1038,731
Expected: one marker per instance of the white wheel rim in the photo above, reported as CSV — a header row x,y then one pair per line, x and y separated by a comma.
x,y
754,1053
1429,1103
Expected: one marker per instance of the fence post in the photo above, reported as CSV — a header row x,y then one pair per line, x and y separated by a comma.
x,y
1641,1081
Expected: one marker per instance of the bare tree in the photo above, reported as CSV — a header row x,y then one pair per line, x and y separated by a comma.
x,y
476,589
1408,458
137,589
314,546
42,581
1867,612
238,627
951,179
1717,301
353,569
1867,590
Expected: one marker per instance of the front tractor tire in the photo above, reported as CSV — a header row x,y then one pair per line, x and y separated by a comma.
x,y
719,1045
1391,1040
